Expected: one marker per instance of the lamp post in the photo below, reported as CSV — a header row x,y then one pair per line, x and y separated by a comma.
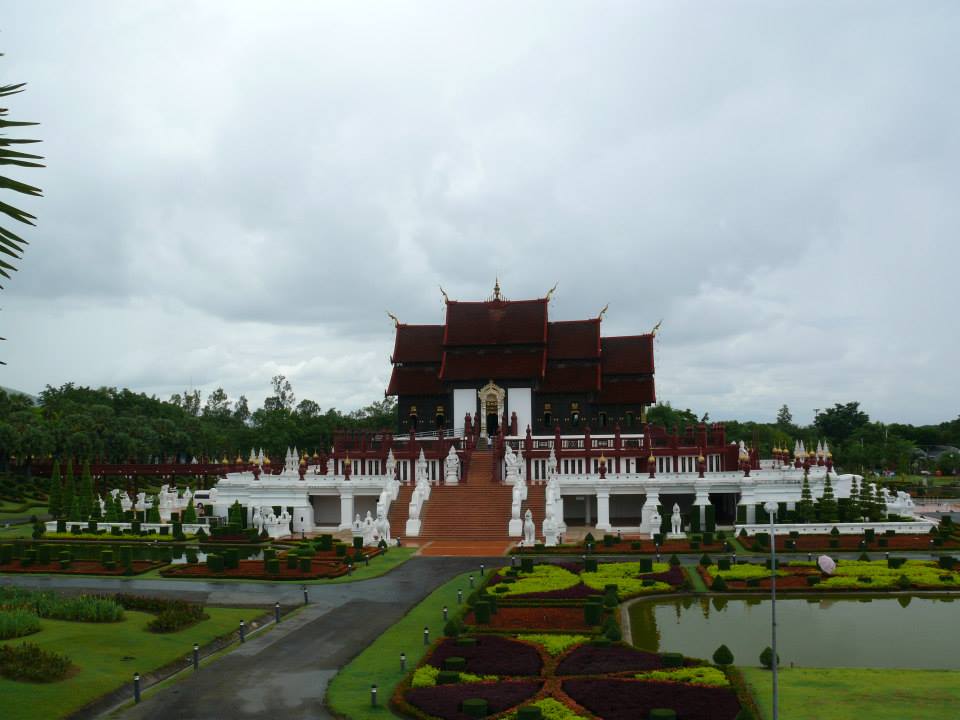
x,y
771,508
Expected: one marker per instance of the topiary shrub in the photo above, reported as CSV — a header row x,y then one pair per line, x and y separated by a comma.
x,y
694,545
481,611
447,677
474,707
341,550
590,565
526,564
658,539
723,564
292,560
306,565
705,560
466,642
43,554
273,566
635,545
662,714
646,565
674,560
671,660
895,562
611,630
592,613
813,580
529,712
589,539
722,656
609,540
834,531
452,629
455,663
718,584
766,658
215,563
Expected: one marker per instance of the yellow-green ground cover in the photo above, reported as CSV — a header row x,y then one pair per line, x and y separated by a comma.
x,y
857,693
98,650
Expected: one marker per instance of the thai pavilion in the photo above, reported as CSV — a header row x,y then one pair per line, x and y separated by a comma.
x,y
503,411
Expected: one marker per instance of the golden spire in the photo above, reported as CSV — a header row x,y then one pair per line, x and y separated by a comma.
x,y
496,288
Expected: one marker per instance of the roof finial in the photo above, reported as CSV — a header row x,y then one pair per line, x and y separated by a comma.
x,y
603,312
444,293
496,288
551,291
656,328
396,321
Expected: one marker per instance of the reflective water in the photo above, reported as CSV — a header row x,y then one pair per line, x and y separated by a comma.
x,y
905,632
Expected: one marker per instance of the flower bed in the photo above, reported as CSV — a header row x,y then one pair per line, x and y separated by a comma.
x,y
491,655
255,570
444,701
535,618
80,567
568,581
615,699
811,543
849,575
626,546
597,660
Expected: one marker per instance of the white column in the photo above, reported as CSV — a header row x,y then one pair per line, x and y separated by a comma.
x,y
649,505
702,501
306,524
603,510
346,510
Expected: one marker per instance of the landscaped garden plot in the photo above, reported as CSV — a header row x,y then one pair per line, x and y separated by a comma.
x,y
593,679
797,542
88,560
616,545
301,564
101,656
891,574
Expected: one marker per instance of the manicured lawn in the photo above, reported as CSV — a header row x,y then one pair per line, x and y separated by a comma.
x,y
99,649
855,693
24,530
698,584
349,693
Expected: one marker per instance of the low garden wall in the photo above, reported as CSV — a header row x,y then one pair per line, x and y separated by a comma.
x,y
918,527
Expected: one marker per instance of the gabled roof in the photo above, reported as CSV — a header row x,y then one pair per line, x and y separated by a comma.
x,y
627,391
418,343
573,339
627,355
571,378
415,381
497,363
496,322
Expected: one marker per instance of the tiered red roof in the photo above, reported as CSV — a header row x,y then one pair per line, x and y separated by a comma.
x,y
496,322
513,340
573,340
508,363
627,355
418,344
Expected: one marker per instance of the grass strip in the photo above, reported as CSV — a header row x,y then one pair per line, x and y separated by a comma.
x,y
349,693
695,580
107,654
849,693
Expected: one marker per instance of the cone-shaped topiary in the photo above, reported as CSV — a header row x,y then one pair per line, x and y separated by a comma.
x,y
722,656
69,492
827,506
766,658
190,513
85,491
805,508
55,499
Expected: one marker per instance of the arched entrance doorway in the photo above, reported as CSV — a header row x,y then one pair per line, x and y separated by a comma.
x,y
491,408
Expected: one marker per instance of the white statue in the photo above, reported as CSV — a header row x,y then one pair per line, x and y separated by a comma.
x,y
529,529
357,524
391,465
551,464
512,465
517,501
452,465
675,520
382,527
413,510
141,501
521,465
423,474
655,521
103,507
257,520
369,530
549,529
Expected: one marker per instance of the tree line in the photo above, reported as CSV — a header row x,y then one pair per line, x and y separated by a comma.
x,y
119,426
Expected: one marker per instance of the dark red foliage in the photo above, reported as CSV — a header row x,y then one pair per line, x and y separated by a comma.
x,y
632,699
596,660
443,701
536,618
492,655
674,576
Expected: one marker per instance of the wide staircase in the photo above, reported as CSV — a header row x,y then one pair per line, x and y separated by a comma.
x,y
399,510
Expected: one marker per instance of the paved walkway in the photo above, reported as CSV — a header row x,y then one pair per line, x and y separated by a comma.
x,y
282,673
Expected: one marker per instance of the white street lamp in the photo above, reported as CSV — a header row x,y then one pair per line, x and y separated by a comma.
x,y
771,508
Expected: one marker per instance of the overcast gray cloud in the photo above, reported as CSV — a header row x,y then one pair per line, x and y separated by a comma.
x,y
234,193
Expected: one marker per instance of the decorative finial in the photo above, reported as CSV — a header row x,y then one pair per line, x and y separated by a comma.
x,y
603,312
496,288
444,293
656,328
396,320
551,291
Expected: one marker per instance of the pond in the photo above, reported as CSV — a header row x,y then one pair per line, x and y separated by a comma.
x,y
901,632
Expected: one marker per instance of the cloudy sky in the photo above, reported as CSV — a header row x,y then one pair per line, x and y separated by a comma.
x,y
233,192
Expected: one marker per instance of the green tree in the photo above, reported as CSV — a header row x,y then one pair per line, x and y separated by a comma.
x,y
69,490
784,418
12,245
722,656
153,513
55,500
766,658
878,508
866,500
841,421
113,512
85,491
853,505
827,506
805,508
190,513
